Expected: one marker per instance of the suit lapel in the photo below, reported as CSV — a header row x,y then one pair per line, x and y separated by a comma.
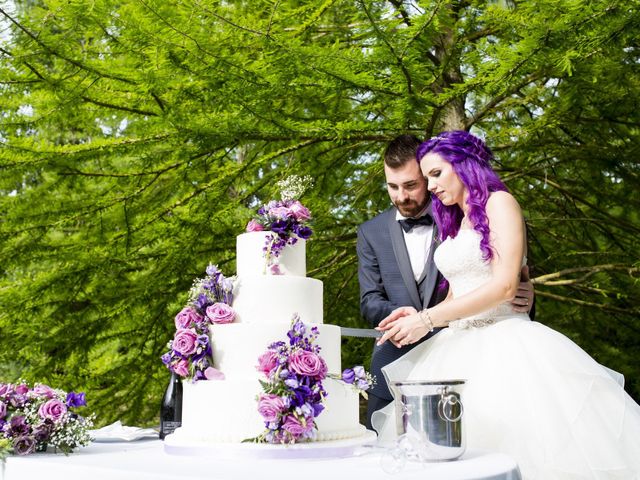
x,y
430,271
402,258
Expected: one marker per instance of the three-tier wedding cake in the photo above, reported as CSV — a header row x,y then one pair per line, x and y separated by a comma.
x,y
225,411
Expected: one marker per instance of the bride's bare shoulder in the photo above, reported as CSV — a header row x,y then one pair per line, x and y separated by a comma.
x,y
502,203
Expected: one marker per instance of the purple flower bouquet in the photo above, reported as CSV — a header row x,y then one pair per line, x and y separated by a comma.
x,y
286,219
190,355
33,418
293,394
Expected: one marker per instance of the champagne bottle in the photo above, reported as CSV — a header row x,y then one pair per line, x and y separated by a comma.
x,y
171,408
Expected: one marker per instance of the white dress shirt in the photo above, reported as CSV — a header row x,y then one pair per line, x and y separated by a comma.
x,y
418,242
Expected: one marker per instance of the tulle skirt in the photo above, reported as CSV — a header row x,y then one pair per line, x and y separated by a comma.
x,y
532,393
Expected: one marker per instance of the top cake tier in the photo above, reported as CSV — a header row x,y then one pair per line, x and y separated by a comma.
x,y
250,256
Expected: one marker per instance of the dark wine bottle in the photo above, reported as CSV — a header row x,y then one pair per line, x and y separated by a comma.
x,y
171,408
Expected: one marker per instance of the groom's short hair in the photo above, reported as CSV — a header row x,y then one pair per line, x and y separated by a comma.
x,y
401,150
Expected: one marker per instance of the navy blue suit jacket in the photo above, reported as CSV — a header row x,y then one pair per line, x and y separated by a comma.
x,y
387,282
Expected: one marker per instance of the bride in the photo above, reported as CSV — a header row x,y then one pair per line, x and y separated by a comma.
x,y
530,391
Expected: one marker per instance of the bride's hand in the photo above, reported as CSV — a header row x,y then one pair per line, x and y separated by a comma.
x,y
399,312
404,330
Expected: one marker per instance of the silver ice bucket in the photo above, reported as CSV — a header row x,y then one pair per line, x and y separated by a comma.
x,y
430,415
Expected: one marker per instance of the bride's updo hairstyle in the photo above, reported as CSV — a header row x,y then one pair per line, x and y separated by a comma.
x,y
470,159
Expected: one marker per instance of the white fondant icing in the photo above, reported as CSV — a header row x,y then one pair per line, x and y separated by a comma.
x,y
274,299
226,411
236,347
250,256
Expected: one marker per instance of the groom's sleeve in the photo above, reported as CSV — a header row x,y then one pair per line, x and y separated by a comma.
x,y
374,303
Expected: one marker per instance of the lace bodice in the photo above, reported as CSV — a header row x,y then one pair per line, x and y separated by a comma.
x,y
460,260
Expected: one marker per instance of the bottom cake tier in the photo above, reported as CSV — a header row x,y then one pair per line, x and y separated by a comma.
x,y
225,411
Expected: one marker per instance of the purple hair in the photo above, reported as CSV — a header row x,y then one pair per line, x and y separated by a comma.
x,y
470,159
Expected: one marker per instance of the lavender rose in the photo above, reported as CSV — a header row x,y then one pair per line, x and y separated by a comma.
x,y
5,389
221,313
267,362
299,211
254,226
281,213
270,406
43,391
52,409
181,367
186,317
348,376
308,363
297,427
3,410
24,445
185,341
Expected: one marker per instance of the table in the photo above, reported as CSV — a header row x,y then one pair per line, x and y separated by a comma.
x,y
147,460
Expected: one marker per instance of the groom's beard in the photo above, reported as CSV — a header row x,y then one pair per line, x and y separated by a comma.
x,y
411,208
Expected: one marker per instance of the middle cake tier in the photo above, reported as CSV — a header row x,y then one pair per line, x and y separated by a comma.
x,y
237,346
274,299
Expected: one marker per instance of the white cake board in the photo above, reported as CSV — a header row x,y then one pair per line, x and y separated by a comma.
x,y
312,450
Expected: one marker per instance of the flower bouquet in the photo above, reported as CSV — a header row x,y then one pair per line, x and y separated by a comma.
x,y
286,219
293,394
33,418
190,355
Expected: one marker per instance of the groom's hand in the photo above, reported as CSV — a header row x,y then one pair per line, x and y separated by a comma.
x,y
523,300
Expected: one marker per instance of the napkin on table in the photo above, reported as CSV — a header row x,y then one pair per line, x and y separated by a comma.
x,y
116,432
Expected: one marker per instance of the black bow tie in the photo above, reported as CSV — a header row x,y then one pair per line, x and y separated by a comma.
x,y
408,223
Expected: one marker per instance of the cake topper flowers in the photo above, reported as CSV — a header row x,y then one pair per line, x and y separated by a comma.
x,y
287,220
32,418
190,355
293,394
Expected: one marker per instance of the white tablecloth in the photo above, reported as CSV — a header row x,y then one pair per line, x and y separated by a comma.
x,y
147,460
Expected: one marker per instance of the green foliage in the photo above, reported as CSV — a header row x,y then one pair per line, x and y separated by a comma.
x,y
137,137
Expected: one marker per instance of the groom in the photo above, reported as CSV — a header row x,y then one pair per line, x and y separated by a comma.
x,y
395,259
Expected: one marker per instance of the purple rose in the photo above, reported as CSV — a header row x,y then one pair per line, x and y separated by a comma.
x,y
308,363
267,362
181,367
359,371
22,389
270,406
220,313
42,432
297,427
24,445
44,391
254,226
299,211
76,399
184,341
213,374
3,410
5,389
186,317
52,409
281,213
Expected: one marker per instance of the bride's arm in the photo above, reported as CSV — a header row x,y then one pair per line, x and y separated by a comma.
x,y
507,240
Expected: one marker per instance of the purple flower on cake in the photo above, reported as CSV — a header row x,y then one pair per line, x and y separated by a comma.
x,y
39,417
287,220
267,362
293,393
220,313
254,226
187,318
184,341
270,406
308,363
189,354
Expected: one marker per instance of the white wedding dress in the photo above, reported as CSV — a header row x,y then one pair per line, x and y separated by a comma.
x,y
530,392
